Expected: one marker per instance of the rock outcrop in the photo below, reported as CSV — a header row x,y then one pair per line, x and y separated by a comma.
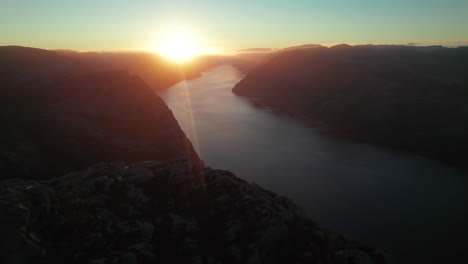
x,y
407,98
161,212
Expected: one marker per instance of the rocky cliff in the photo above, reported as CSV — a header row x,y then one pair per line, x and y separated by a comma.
x,y
408,98
161,212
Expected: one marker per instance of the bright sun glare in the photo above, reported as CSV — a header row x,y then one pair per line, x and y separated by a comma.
x,y
179,45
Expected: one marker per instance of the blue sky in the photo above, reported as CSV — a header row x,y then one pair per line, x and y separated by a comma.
x,y
231,25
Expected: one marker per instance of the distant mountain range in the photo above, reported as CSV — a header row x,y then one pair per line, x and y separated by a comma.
x,y
258,50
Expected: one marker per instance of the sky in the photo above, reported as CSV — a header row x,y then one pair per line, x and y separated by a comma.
x,y
230,25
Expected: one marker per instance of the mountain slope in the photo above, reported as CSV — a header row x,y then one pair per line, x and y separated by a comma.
x,y
408,98
55,121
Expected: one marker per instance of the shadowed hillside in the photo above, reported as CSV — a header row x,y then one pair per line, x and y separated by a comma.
x,y
57,117
409,98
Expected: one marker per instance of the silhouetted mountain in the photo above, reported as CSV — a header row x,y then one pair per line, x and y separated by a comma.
x,y
156,71
255,50
155,212
56,118
23,65
300,47
242,61
409,98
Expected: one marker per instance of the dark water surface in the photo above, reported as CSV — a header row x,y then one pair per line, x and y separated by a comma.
x,y
415,207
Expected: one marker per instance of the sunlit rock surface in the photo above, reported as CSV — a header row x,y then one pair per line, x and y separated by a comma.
x,y
161,212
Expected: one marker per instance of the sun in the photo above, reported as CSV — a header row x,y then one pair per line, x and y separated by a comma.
x,y
179,45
